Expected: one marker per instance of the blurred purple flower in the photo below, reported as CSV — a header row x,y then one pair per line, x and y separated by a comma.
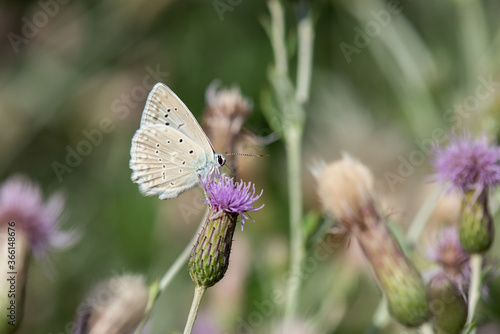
x,y
233,197
22,201
453,261
468,164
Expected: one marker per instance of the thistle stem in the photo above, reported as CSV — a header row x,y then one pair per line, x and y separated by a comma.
x,y
170,274
381,316
278,36
199,291
305,33
422,217
293,149
476,262
293,139
182,259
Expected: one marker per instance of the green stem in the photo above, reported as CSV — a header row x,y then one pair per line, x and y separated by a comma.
x,y
170,274
305,54
278,36
182,259
297,252
178,264
422,217
381,316
199,291
476,262
293,127
293,138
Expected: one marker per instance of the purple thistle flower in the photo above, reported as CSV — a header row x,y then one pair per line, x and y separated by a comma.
x,y
468,164
22,201
233,197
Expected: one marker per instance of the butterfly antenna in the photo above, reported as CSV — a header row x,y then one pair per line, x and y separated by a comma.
x,y
249,155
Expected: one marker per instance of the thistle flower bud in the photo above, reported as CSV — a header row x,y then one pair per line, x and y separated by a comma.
x,y
453,262
346,191
476,224
210,255
448,305
227,200
115,306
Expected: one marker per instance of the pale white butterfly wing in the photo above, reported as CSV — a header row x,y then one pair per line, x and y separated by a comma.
x,y
163,107
166,162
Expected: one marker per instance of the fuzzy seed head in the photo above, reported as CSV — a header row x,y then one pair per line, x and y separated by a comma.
x,y
229,103
115,306
227,110
345,187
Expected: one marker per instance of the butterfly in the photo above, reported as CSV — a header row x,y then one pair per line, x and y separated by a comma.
x,y
170,151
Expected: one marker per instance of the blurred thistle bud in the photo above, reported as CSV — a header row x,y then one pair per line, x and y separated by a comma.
x,y
227,200
115,306
447,252
448,305
476,224
28,225
472,167
346,189
227,110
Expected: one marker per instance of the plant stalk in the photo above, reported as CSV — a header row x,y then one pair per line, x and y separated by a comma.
x,y
305,46
278,36
297,251
476,262
170,274
199,291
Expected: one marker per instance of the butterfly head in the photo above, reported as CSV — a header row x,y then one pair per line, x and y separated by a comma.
x,y
220,160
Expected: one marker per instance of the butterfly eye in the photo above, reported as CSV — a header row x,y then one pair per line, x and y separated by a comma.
x,y
221,160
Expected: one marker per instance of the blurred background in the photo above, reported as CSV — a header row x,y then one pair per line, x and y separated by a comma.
x,y
388,77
